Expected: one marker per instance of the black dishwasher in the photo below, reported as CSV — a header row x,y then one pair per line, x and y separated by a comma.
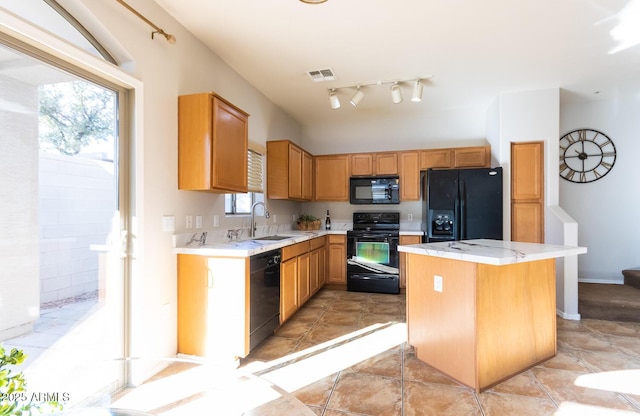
x,y
264,296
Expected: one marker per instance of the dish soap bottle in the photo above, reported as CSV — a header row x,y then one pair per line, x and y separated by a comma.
x,y
327,222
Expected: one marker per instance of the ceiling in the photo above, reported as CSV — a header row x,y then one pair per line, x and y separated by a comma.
x,y
472,50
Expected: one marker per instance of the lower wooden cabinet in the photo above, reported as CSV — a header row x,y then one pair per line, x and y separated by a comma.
x,y
288,288
406,240
317,264
302,274
337,259
213,306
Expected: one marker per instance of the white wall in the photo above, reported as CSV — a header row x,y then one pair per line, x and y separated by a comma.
x,y
607,209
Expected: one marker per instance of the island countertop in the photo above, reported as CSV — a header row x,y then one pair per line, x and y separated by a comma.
x,y
495,252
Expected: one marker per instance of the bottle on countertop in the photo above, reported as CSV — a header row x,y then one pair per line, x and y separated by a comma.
x,y
327,222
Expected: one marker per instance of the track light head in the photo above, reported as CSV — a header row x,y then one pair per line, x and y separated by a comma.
x,y
334,101
396,93
417,91
357,97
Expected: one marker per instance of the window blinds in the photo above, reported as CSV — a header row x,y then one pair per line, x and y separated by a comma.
x,y
256,169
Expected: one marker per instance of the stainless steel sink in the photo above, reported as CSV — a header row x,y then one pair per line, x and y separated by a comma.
x,y
272,237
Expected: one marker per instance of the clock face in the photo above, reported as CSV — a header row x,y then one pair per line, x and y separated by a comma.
x,y
586,155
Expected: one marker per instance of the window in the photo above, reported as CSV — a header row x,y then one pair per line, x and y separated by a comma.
x,y
240,204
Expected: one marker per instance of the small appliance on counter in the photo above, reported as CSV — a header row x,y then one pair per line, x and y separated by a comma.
x,y
462,204
372,252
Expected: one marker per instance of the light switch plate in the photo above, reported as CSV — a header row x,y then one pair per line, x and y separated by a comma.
x,y
216,221
168,223
189,222
198,221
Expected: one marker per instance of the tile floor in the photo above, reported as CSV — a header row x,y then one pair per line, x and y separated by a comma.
x,y
320,357
345,354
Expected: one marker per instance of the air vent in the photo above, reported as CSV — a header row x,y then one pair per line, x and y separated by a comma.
x,y
322,75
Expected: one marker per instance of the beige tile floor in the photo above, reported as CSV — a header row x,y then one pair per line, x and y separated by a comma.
x,y
345,353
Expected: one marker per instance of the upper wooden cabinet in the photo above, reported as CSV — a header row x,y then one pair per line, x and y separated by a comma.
x,y
367,164
460,157
212,144
289,171
331,177
472,157
409,176
436,158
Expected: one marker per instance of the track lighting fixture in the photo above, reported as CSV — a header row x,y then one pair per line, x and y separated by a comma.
x,y
417,91
357,97
396,91
334,101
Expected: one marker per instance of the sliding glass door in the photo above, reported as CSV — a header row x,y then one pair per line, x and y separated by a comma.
x,y
63,228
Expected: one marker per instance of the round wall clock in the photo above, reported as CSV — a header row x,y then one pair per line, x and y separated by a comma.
x,y
586,155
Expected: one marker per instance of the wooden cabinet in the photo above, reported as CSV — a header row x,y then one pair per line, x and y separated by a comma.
x,y
488,323
527,192
460,157
367,164
317,258
436,158
331,177
409,176
288,288
362,164
213,307
472,157
304,288
289,171
212,144
406,240
307,176
337,259
301,274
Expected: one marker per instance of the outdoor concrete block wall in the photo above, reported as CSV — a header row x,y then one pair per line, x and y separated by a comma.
x,y
77,202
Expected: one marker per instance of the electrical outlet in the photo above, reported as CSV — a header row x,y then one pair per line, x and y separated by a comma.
x,y
189,222
216,221
198,221
168,223
293,217
274,218
410,217
437,283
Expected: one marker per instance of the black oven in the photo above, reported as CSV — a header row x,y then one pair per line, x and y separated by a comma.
x,y
372,253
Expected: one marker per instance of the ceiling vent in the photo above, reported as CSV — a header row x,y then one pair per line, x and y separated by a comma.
x,y
322,75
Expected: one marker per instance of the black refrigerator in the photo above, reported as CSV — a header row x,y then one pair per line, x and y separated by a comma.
x,y
462,204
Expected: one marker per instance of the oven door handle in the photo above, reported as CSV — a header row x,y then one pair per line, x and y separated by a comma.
x,y
377,236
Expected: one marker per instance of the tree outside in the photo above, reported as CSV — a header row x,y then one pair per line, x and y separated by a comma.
x,y
74,115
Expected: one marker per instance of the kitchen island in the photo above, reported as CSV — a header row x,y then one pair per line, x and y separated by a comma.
x,y
482,311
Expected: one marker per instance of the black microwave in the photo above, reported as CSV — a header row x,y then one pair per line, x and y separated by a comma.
x,y
374,190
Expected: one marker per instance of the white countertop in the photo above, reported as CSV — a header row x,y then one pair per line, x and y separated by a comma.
x,y
249,247
215,246
494,252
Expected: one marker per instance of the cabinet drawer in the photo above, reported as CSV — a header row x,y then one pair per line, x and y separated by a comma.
x,y
337,239
317,243
294,250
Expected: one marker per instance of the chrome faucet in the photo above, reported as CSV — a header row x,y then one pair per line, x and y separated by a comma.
x,y
252,231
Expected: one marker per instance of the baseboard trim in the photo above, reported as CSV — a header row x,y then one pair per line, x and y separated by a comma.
x,y
602,281
568,316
